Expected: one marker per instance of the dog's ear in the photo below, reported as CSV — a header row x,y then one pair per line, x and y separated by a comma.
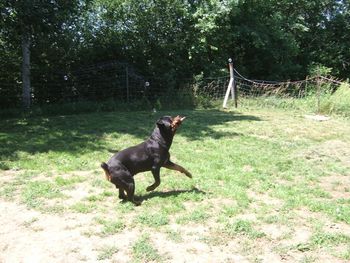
x,y
160,122
163,123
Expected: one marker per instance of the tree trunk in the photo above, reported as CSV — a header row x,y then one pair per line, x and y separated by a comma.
x,y
26,70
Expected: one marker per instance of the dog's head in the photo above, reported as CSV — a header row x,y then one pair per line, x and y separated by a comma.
x,y
169,123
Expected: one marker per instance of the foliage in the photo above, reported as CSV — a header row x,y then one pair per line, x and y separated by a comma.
x,y
317,70
170,42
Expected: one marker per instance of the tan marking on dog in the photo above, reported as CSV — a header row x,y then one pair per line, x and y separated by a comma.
x,y
176,122
178,168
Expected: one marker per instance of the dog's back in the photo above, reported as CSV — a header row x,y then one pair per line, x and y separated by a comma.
x,y
136,159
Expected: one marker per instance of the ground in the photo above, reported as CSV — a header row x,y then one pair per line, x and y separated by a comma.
x,y
268,186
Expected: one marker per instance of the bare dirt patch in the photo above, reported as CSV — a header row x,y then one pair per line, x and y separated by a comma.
x,y
29,236
335,150
338,186
8,175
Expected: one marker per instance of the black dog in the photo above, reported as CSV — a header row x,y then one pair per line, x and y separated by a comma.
x,y
150,155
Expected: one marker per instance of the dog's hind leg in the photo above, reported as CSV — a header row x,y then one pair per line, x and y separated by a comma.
x,y
155,172
126,185
130,190
124,181
173,166
121,193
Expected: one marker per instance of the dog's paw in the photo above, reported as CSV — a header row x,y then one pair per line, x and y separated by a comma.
x,y
122,197
188,174
150,188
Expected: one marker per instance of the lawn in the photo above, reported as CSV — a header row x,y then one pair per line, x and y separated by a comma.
x,y
269,185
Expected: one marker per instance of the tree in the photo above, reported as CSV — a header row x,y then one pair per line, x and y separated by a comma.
x,y
168,41
26,20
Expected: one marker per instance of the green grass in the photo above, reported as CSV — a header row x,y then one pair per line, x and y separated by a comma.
x,y
60,181
110,227
324,239
153,219
34,193
243,227
200,214
143,250
83,208
253,168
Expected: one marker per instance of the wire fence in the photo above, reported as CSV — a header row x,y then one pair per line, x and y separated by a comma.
x,y
216,87
121,82
91,83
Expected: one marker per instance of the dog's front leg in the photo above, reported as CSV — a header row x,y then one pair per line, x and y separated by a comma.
x,y
173,166
155,172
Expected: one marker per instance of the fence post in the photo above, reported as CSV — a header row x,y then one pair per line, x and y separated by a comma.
x,y
127,83
234,88
231,87
318,84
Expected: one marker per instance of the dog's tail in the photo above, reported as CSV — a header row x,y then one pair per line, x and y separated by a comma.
x,y
105,167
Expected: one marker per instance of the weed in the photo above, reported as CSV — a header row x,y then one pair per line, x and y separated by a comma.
x,y
95,198
346,254
35,193
8,191
107,252
107,193
60,181
174,235
84,208
242,227
110,227
321,239
197,215
153,219
143,250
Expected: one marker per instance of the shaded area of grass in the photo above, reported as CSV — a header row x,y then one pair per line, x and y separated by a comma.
x,y
56,140
173,193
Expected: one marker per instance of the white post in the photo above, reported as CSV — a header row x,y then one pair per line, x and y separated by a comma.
x,y
230,85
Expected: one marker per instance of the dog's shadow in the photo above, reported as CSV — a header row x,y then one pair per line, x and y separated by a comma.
x,y
174,193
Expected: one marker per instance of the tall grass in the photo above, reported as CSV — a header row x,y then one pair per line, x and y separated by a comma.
x,y
338,102
327,102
